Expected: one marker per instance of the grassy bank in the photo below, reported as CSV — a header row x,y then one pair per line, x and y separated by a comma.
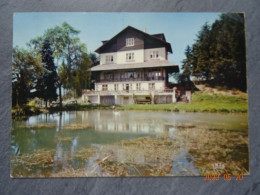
x,y
200,103
78,107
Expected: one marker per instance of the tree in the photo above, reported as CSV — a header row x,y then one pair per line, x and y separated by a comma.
x,y
26,68
187,65
218,53
184,76
82,76
229,51
94,59
46,84
203,49
68,52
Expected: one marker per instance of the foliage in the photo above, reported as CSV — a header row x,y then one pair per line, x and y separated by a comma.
x,y
184,76
70,56
56,59
187,63
82,76
94,59
46,83
26,68
218,53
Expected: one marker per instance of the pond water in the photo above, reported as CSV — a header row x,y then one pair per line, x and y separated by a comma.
x,y
128,143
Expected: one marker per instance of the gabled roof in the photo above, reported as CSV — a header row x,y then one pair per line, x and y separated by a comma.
x,y
155,37
159,36
148,64
104,41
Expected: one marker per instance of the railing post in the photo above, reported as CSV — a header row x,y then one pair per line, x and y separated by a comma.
x,y
173,96
115,99
188,95
152,100
98,101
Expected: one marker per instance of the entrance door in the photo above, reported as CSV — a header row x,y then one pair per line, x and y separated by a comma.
x,y
126,100
127,87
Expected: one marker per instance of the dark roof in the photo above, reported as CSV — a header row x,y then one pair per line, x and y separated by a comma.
x,y
148,64
159,36
155,37
105,41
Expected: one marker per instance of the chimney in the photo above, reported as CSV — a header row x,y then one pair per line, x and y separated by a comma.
x,y
144,30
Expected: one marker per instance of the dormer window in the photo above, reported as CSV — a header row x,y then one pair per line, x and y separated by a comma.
x,y
130,42
130,57
154,55
109,59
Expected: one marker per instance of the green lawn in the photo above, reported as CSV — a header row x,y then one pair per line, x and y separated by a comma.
x,y
200,103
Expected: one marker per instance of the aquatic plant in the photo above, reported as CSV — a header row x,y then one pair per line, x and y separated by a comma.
x,y
228,148
75,126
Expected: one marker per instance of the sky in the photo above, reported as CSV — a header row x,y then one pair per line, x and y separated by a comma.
x,y
180,29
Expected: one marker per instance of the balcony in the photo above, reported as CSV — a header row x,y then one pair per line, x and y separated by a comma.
x,y
130,92
158,78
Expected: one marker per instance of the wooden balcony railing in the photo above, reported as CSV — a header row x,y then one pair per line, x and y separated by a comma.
x,y
158,78
129,92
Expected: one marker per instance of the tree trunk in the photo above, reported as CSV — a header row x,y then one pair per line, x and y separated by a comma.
x,y
60,120
46,104
17,104
60,97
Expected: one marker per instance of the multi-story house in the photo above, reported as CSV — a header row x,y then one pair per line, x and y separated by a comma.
x,y
133,68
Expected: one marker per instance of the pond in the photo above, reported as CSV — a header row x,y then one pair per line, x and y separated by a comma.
x,y
129,143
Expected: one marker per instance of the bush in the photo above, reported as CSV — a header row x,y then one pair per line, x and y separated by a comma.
x,y
235,92
222,88
31,103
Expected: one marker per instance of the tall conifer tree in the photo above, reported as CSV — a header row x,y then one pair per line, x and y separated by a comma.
x,y
46,84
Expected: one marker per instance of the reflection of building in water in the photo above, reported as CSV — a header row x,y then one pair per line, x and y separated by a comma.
x,y
121,121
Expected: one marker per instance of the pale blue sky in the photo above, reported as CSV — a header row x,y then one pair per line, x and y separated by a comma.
x,y
180,29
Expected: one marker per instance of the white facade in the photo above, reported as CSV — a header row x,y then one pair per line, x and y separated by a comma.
x,y
103,57
132,86
146,79
161,54
140,55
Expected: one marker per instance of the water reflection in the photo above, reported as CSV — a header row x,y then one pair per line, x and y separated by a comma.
x,y
182,164
139,122
99,130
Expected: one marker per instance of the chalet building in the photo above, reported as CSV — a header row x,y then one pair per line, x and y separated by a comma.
x,y
133,68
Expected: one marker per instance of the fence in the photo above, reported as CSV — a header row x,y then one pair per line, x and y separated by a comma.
x,y
128,92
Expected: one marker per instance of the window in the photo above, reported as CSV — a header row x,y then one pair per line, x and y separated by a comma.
x,y
104,87
109,59
127,87
108,76
151,86
131,86
130,57
116,87
155,75
130,42
154,55
129,74
138,86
